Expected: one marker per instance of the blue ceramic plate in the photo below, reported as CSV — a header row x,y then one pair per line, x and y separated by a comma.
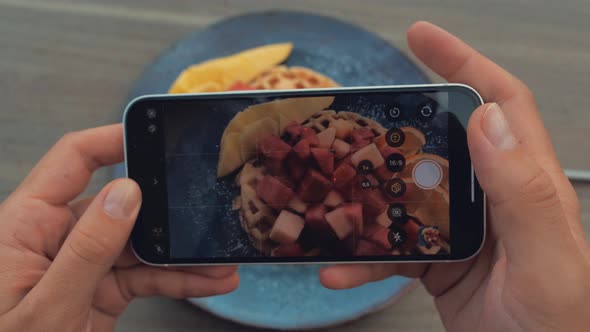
x,y
290,296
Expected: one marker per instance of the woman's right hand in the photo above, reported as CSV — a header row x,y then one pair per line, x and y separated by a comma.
x,y
533,273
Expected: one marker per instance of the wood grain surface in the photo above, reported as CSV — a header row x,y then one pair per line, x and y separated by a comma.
x,y
68,64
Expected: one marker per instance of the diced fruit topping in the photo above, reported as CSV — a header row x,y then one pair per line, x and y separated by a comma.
x,y
370,153
239,85
274,166
325,160
288,250
343,176
381,238
346,220
374,203
293,131
343,128
315,218
274,192
333,199
334,186
383,173
296,204
310,135
296,168
287,228
326,138
387,150
362,134
272,147
302,149
357,145
314,187
383,219
366,248
341,148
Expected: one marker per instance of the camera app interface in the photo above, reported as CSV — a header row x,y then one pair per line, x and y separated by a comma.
x,y
332,176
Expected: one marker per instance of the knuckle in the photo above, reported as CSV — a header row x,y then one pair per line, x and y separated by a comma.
x,y
70,138
89,248
539,190
524,91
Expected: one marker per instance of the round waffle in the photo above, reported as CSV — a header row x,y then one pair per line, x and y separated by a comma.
x,y
256,217
322,121
283,77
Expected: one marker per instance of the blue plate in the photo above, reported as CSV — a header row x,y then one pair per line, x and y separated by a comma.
x,y
290,296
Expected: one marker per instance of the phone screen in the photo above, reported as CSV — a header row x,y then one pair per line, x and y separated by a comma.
x,y
332,176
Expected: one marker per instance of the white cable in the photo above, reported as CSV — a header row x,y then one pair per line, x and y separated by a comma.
x,y
577,174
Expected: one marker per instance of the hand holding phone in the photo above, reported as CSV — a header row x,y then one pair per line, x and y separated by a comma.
x,y
536,240
329,175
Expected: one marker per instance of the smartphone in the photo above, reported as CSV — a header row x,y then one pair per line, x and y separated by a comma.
x,y
367,174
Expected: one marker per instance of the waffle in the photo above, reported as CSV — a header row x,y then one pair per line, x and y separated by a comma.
x,y
255,217
322,120
283,77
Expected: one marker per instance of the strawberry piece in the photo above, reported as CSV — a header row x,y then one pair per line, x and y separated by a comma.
x,y
273,147
310,135
302,149
293,132
381,238
296,168
383,173
274,192
240,86
314,187
343,176
387,150
362,134
367,248
274,166
315,218
325,160
357,145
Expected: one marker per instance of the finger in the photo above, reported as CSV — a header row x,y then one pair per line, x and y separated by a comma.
x,y
354,275
65,170
127,259
214,272
526,210
455,61
94,244
80,206
145,280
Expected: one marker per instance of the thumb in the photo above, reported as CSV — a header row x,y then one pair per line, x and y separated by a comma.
x,y
94,244
525,210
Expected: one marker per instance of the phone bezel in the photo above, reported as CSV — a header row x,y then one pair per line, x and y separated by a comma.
x,y
140,238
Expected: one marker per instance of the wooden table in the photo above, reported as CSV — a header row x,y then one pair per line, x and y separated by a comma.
x,y
68,64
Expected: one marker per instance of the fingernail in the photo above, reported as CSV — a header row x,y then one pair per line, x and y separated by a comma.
x,y
121,201
496,128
